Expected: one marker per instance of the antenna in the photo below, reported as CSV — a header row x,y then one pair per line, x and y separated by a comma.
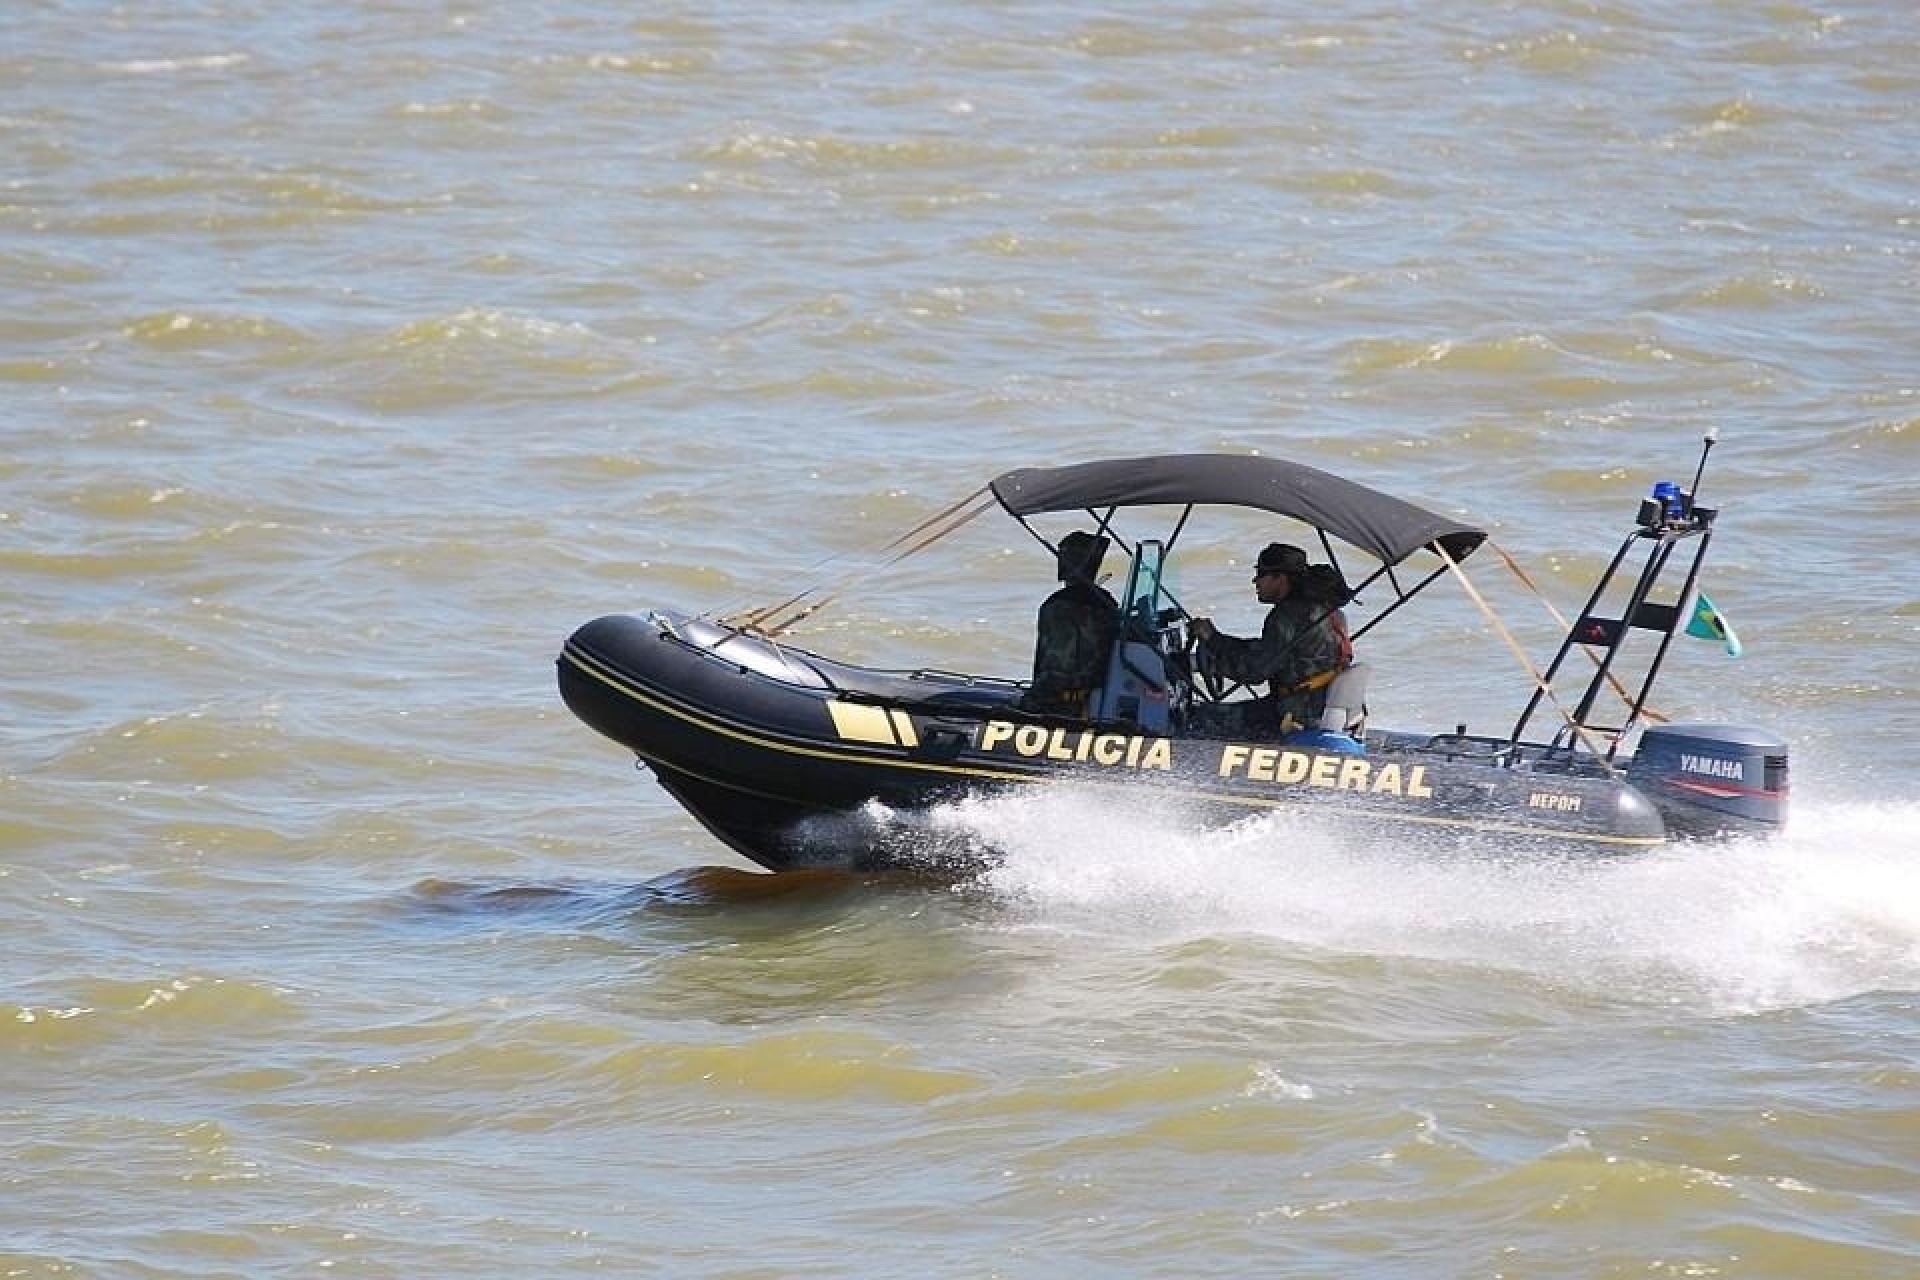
x,y
1706,447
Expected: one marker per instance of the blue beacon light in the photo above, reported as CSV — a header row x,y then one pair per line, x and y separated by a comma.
x,y
1672,501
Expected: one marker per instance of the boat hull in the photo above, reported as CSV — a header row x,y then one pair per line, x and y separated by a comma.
x,y
793,760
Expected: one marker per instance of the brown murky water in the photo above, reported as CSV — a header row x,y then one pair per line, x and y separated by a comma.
x,y
355,355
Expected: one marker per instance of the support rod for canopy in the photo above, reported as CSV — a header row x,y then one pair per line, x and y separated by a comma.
x,y
783,616
1540,682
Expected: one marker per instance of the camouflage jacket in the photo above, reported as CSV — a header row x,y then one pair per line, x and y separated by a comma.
x,y
1294,644
1075,634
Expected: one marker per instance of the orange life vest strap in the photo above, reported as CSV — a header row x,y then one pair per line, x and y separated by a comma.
x,y
1318,680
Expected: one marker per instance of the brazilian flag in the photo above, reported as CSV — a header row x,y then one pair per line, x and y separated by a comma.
x,y
1709,623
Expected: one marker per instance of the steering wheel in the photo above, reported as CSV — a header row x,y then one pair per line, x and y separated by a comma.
x,y
1207,687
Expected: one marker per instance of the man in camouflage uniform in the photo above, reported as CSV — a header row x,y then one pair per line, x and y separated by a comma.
x,y
1296,652
1075,635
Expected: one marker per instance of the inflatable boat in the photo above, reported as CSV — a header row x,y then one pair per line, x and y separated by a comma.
x,y
793,759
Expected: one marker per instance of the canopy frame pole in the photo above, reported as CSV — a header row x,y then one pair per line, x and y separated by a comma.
x,y
1106,529
1401,594
1174,537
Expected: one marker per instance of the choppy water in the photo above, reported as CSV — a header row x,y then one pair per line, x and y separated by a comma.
x,y
355,354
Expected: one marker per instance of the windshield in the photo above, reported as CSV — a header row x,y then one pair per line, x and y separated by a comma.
x,y
1145,598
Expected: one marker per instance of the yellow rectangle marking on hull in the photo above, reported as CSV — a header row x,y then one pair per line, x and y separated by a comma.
x,y
857,723
903,728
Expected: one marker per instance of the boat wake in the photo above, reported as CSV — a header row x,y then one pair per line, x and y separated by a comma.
x,y
1827,909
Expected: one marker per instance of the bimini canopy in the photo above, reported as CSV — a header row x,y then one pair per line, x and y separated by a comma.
x,y
1384,527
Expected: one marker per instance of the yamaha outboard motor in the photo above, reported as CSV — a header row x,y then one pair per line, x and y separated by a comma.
x,y
1711,779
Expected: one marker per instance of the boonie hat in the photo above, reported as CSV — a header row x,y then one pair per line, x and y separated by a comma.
x,y
1080,555
1280,557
